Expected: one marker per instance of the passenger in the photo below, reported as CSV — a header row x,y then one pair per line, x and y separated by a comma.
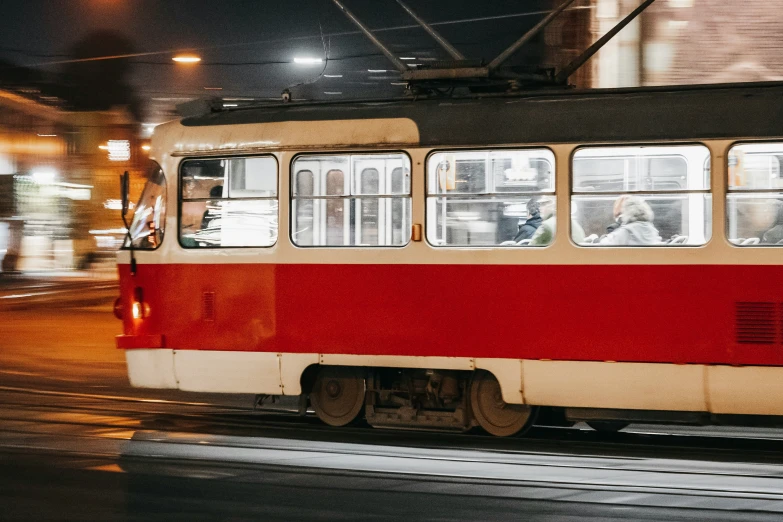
x,y
636,226
616,213
774,235
534,220
546,232
211,213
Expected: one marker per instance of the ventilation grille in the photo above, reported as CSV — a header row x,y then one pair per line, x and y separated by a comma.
x,y
758,322
208,306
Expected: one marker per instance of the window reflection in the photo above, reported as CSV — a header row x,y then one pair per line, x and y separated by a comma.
x,y
641,196
353,200
149,218
490,198
229,202
754,204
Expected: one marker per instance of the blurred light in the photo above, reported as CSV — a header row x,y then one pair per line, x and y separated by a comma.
x,y
47,135
407,58
119,150
103,147
333,75
187,58
137,309
122,231
44,175
75,194
230,105
681,3
145,147
332,92
147,129
376,70
307,61
75,185
399,83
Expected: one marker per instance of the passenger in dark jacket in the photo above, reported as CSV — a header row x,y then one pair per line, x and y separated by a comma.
x,y
534,220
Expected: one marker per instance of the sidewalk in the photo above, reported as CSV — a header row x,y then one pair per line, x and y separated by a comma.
x,y
13,280
56,288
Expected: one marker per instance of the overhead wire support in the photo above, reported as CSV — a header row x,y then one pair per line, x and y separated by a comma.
x,y
453,52
505,55
397,63
580,60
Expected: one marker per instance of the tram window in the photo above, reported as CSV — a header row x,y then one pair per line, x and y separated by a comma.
x,y
487,198
351,200
754,203
149,217
228,202
641,196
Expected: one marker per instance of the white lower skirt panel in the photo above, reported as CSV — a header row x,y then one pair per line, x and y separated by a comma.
x,y
636,386
228,372
752,390
152,368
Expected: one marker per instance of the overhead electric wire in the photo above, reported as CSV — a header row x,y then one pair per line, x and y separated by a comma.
x,y
291,39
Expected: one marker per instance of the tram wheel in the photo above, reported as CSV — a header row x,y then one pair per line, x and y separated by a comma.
x,y
338,394
493,414
607,426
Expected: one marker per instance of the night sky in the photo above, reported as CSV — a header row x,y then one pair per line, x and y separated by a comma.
x,y
247,46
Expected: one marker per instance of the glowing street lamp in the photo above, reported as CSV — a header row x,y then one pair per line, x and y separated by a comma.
x,y
187,58
303,60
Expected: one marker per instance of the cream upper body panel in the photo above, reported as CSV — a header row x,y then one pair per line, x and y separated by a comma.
x,y
173,142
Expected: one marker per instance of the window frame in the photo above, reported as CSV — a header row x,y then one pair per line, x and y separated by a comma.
x,y
708,191
487,195
730,191
349,196
181,200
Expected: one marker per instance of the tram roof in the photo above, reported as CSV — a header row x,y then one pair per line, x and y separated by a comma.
x,y
663,113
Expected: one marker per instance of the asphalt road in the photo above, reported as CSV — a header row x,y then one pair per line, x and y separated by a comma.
x,y
77,443
39,487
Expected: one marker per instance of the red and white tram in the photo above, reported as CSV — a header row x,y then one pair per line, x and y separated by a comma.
x,y
365,256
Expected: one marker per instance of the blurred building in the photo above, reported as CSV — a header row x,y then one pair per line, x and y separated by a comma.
x,y
59,187
687,42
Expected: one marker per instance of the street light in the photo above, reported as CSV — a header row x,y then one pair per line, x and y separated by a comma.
x,y
303,60
187,58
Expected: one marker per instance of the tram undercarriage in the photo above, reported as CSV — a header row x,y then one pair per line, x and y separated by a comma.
x,y
416,399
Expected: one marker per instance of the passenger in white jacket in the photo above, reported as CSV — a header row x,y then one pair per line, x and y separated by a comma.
x,y
636,226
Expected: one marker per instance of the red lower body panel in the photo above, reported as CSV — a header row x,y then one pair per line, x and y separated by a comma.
x,y
657,313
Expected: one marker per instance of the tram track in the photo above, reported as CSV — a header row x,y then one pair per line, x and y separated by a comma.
x,y
210,419
175,441
459,469
186,438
